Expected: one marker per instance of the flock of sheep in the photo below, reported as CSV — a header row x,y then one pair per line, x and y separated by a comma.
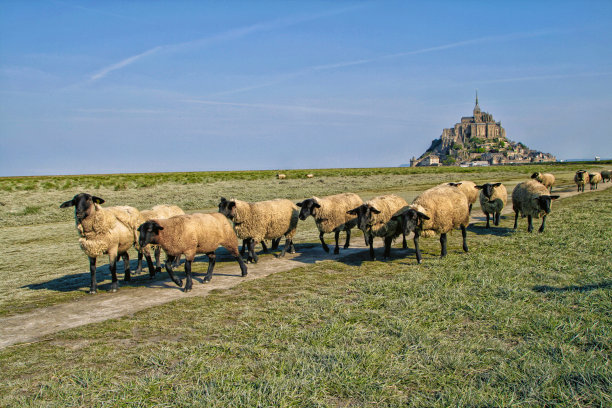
x,y
436,211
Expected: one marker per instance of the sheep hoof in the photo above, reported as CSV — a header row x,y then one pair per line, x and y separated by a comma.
x,y
326,249
336,251
92,292
187,290
113,290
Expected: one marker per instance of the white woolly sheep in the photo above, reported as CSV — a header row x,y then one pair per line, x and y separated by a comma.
x,y
531,199
310,175
191,234
377,218
548,179
594,180
468,188
493,198
109,230
438,210
281,176
158,212
605,175
330,214
262,220
581,178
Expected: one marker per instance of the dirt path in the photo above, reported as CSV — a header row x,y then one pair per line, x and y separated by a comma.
x,y
38,325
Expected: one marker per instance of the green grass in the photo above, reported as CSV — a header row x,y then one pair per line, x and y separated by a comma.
x,y
521,320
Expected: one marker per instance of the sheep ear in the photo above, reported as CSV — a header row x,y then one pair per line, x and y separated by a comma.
x,y
301,203
374,210
223,199
97,200
496,184
353,211
231,205
479,187
554,197
68,203
454,184
421,215
316,205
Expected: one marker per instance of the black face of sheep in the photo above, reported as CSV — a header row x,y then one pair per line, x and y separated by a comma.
x,y
487,189
544,202
308,207
364,215
148,233
227,208
454,184
411,220
535,175
580,175
82,203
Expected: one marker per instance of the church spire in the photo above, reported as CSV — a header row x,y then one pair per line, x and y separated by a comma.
x,y
477,97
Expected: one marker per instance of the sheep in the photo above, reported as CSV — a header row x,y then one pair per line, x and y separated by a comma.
x,y
159,211
594,180
469,189
605,175
493,198
330,214
581,178
310,175
191,234
109,230
547,179
281,176
438,210
531,199
262,220
376,218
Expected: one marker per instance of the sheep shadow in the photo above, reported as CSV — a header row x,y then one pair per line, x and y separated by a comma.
x,y
573,288
497,231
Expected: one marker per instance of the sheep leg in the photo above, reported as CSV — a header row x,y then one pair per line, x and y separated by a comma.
x,y
127,276
337,238
496,219
443,245
292,247
325,247
152,268
470,209
404,243
387,253
93,288
371,243
157,253
487,214
265,248
516,214
113,269
253,256
188,281
245,242
212,259
416,248
176,280
139,267
288,246
348,239
275,243
543,222
530,223
464,236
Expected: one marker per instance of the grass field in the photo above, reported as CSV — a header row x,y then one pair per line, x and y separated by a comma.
x,y
523,319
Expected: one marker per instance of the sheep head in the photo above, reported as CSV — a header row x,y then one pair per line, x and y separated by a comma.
x,y
148,233
411,219
544,202
227,208
308,208
83,205
364,215
487,189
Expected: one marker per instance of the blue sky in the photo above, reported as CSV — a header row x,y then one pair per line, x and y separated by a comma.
x,y
144,86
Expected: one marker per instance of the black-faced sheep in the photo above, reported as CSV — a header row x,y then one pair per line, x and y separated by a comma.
x,y
493,198
438,210
468,188
594,180
262,220
581,178
605,175
158,212
378,218
109,230
330,214
531,199
281,176
190,235
547,179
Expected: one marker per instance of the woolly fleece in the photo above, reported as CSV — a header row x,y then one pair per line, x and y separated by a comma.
x,y
524,195
446,207
266,219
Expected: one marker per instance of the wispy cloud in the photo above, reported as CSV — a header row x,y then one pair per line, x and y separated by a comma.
x,y
363,61
545,77
228,35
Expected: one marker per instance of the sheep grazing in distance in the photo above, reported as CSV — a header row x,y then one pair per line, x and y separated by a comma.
x,y
377,218
158,212
262,220
468,188
330,214
581,178
191,234
109,230
281,176
605,175
594,180
531,199
310,175
547,179
438,210
493,198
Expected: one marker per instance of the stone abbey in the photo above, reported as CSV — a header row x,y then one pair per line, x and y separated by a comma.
x,y
477,139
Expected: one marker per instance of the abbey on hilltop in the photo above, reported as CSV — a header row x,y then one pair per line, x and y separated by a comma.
x,y
477,140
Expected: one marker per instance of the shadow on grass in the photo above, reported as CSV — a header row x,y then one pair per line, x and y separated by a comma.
x,y
573,288
482,230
